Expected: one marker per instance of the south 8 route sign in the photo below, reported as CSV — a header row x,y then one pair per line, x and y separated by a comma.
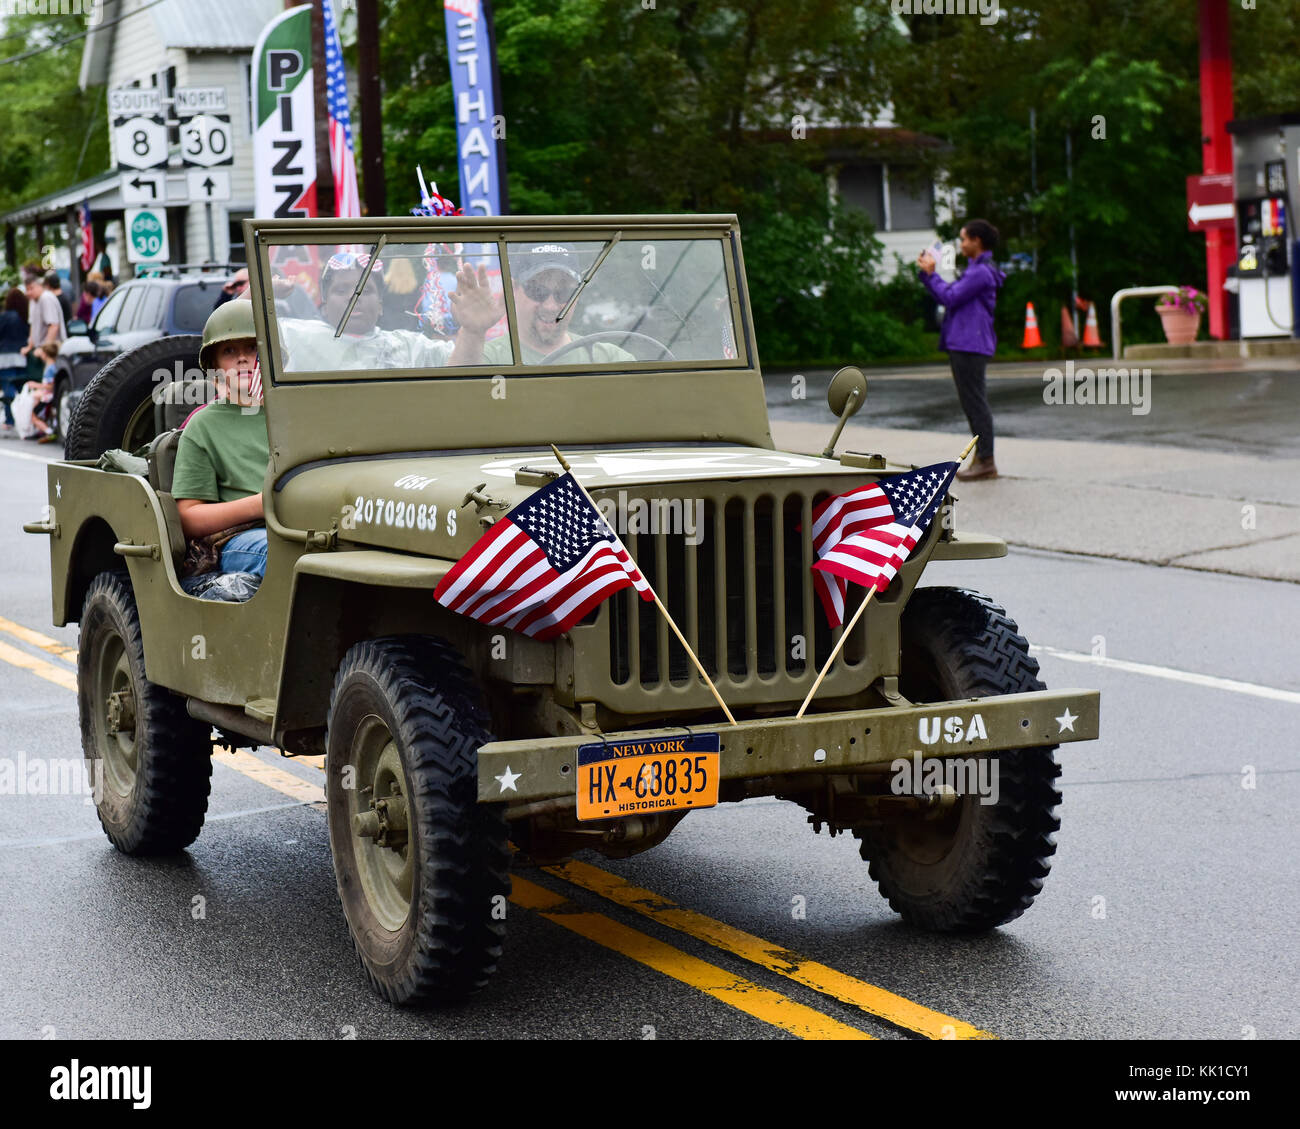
x,y
146,235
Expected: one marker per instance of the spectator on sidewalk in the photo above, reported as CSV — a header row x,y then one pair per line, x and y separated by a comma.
x,y
54,284
13,336
967,333
45,316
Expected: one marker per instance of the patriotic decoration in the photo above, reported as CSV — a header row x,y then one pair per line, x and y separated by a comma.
x,y
255,385
866,534
343,161
87,235
543,566
431,204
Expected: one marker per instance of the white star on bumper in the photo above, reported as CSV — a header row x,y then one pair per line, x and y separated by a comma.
x,y
1064,722
507,780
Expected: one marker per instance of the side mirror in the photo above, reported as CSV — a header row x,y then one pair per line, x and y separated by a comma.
x,y
841,394
78,329
846,395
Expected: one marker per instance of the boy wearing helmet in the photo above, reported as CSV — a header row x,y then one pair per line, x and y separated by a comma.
x,y
223,453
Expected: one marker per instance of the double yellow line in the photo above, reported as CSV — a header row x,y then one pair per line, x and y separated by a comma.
x,y
735,991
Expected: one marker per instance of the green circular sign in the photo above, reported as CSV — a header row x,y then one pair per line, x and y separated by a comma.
x,y
147,235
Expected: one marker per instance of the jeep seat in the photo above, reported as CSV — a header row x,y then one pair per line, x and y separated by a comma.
x,y
176,399
161,459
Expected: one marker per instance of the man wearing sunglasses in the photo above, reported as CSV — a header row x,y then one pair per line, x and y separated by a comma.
x,y
310,345
544,278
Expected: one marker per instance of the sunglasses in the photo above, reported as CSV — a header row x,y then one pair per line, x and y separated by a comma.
x,y
538,292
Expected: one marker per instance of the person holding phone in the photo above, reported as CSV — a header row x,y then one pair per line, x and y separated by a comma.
x,y
967,334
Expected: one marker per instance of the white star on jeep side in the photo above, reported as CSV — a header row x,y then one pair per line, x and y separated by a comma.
x,y
58,488
507,779
1065,721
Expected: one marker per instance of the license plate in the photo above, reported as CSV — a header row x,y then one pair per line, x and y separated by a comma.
x,y
647,775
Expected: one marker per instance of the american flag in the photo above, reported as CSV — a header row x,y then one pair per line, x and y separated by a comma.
x,y
543,566
866,534
347,197
87,236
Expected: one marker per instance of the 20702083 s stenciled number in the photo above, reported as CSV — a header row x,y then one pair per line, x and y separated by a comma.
x,y
397,514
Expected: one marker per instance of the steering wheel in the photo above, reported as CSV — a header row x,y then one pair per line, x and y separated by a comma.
x,y
665,353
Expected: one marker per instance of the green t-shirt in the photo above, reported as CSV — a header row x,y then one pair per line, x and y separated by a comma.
x,y
497,352
223,454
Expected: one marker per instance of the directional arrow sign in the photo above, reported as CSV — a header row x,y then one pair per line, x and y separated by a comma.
x,y
1201,214
143,188
206,185
1209,202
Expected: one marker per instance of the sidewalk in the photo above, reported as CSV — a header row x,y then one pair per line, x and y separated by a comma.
x,y
1157,505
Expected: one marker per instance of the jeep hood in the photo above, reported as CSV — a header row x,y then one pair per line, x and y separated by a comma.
x,y
422,502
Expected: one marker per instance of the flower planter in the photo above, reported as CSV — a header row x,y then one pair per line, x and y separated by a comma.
x,y
1181,324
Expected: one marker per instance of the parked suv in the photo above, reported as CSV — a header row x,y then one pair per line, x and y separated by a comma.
x,y
138,312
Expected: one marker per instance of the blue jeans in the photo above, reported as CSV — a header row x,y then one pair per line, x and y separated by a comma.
x,y
11,383
245,552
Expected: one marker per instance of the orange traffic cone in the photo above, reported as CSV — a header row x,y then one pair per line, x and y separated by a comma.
x,y
1091,335
1033,340
1069,339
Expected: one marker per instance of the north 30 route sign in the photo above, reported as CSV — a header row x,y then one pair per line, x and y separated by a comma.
x,y
206,140
140,143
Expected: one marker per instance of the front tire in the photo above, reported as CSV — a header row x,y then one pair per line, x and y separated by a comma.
x,y
979,865
421,866
150,761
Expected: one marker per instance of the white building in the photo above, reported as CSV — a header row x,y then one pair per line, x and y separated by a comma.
x,y
164,45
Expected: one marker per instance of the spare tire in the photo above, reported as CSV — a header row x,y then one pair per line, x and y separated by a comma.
x,y
117,408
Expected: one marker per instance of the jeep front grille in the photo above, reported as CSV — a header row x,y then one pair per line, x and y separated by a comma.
x,y
744,598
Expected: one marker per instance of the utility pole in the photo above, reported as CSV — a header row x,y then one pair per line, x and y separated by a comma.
x,y
325,205
1074,258
1033,180
370,95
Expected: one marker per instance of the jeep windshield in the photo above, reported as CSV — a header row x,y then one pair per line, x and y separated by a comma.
x,y
648,303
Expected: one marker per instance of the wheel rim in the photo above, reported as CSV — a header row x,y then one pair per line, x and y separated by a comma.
x,y
115,705
377,813
139,428
65,412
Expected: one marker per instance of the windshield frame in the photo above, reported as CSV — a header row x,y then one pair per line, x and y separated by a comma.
x,y
498,232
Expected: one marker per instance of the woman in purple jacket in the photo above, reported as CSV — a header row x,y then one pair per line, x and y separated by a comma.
x,y
967,332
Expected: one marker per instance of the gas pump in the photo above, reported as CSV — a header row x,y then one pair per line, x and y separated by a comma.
x,y
1266,171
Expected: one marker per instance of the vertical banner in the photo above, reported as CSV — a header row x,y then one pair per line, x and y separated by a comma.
x,y
472,54
284,141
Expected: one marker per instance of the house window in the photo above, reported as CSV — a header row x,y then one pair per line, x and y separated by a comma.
x,y
911,198
238,252
862,189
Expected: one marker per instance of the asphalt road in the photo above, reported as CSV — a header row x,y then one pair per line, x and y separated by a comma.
x,y
1255,411
1170,912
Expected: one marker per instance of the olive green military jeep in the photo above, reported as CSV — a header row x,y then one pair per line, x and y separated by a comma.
x,y
416,373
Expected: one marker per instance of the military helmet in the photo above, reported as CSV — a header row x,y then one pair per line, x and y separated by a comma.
x,y
231,321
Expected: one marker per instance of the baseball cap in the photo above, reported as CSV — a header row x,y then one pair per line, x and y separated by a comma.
x,y
530,262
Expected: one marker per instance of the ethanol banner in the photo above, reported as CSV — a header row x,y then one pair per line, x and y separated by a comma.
x,y
284,144
478,126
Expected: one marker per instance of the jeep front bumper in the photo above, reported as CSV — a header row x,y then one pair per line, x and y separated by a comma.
x,y
545,768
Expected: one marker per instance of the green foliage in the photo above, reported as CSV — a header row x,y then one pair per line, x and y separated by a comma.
x,y
53,134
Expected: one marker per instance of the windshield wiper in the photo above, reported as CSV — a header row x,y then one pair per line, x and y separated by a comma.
x,y
586,278
361,283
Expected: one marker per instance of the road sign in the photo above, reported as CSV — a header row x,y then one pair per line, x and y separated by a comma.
x,y
199,99
206,185
206,140
146,235
1209,201
133,101
140,143
143,188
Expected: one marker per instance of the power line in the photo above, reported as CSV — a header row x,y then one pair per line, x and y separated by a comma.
x,y
80,35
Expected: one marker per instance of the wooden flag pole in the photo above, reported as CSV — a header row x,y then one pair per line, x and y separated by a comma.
x,y
658,603
821,674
